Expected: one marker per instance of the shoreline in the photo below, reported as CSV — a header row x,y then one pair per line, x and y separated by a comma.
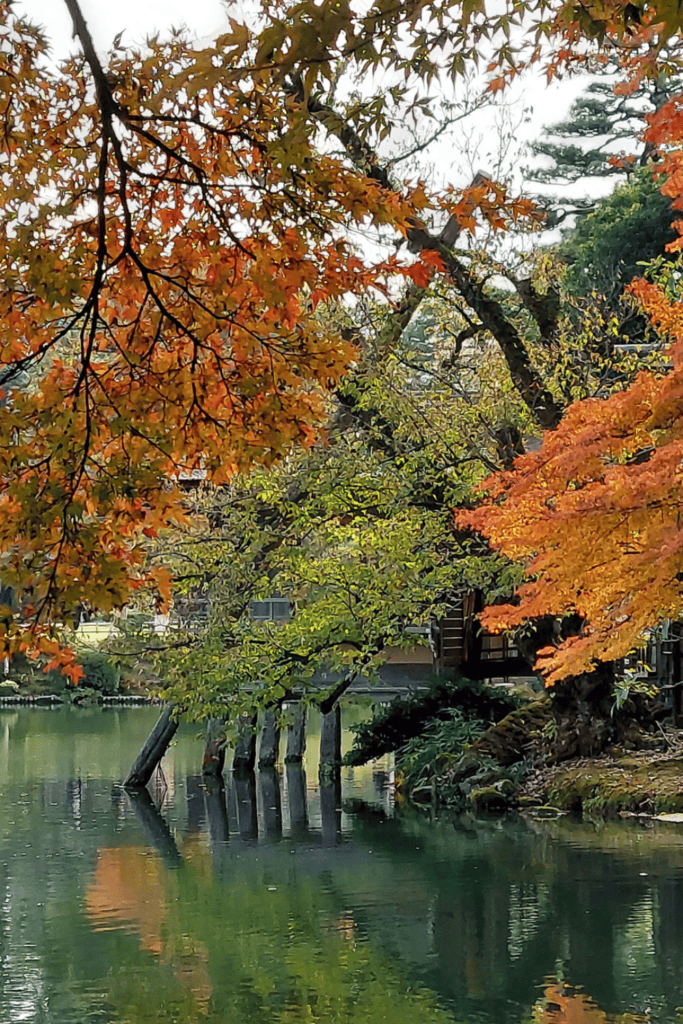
x,y
54,700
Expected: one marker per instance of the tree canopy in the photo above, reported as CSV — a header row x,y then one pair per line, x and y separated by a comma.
x,y
167,241
175,221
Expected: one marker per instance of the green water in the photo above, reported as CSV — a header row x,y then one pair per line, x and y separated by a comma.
x,y
274,902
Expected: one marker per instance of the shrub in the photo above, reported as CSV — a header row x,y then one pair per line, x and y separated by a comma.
x,y
391,727
99,673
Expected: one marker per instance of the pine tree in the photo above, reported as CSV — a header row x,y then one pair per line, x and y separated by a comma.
x,y
601,137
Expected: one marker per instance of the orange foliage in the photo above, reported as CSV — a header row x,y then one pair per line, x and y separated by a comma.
x,y
167,232
597,514
162,255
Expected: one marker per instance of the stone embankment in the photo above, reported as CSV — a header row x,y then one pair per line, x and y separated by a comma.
x,y
54,699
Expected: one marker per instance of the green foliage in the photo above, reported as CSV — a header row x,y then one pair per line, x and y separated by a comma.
x,y
443,740
357,535
607,248
600,125
452,711
99,673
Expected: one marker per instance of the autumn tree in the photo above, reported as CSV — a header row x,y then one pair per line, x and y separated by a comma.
x,y
166,241
181,228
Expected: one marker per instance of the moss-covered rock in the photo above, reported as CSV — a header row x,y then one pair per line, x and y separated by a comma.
x,y
496,797
516,736
610,786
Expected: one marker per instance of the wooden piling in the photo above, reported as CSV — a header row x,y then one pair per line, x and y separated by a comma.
x,y
269,747
245,744
330,740
296,737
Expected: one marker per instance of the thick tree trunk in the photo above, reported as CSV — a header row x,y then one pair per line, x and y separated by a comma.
x,y
153,750
214,751
269,747
587,720
296,737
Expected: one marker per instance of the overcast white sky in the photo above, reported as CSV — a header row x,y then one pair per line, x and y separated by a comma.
x,y
138,19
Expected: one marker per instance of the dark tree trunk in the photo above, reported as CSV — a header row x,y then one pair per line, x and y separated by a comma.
x,y
582,713
214,751
587,720
154,749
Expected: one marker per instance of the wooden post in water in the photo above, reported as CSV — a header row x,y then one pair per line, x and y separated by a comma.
x,y
270,740
296,737
296,800
245,744
217,815
154,749
330,740
214,751
271,806
244,787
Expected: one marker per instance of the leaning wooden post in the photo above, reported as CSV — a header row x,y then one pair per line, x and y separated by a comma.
x,y
214,751
330,740
296,737
245,744
269,747
154,749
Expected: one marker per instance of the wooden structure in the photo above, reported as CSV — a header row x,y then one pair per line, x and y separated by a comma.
x,y
460,644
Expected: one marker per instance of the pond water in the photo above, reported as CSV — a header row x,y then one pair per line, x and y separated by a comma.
x,y
276,902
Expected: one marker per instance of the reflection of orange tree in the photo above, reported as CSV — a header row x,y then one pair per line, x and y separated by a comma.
x,y
241,948
562,1004
130,887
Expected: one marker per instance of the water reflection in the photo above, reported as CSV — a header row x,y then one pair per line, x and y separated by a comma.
x,y
562,1004
272,899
